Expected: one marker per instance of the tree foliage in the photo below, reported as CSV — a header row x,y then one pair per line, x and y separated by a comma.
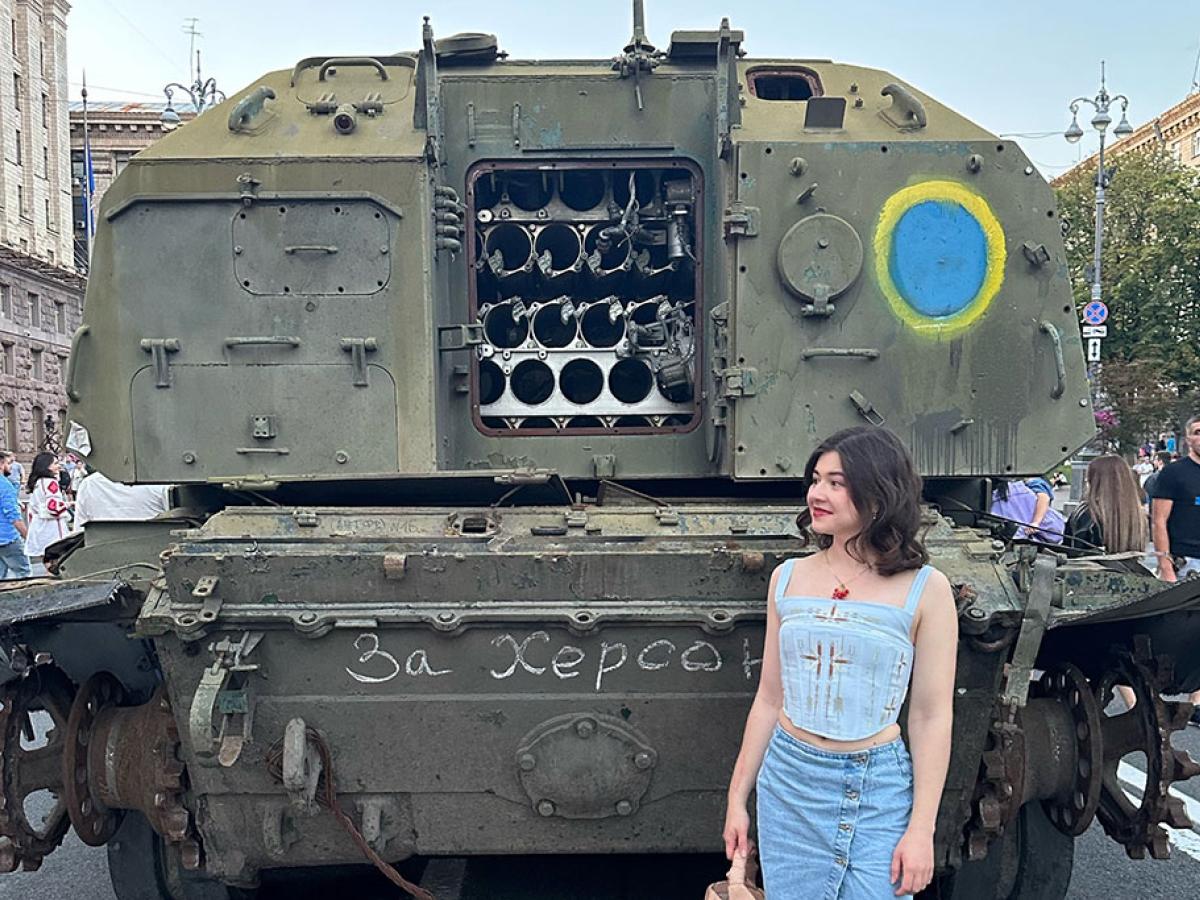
x,y
1150,277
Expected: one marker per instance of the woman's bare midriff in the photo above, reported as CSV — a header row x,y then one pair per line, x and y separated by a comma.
x,y
887,735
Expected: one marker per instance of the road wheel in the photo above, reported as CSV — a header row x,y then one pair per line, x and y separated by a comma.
x,y
1031,862
143,867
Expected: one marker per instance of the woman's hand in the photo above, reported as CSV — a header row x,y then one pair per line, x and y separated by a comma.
x,y
737,832
912,862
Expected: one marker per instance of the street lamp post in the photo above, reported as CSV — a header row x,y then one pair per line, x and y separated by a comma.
x,y
202,92
1101,103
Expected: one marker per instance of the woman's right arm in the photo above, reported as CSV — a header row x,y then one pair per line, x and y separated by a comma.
x,y
760,724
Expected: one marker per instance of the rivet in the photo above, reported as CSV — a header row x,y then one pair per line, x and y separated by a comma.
x,y
798,166
974,162
383,249
445,617
858,102
1083,402
307,618
545,808
624,807
823,243
854,87
238,250
527,762
341,457
643,760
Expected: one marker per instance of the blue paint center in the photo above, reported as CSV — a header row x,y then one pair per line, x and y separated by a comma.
x,y
939,257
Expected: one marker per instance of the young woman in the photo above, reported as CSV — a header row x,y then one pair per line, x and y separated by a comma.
x,y
843,810
1109,517
48,507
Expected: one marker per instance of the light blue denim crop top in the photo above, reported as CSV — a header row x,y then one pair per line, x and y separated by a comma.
x,y
845,664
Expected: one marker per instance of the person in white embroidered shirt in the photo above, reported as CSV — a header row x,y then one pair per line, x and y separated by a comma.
x,y
101,499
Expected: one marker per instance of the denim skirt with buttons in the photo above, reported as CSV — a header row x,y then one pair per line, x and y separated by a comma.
x,y
828,822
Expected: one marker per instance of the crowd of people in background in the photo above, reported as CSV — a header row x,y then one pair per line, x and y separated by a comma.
x,y
55,498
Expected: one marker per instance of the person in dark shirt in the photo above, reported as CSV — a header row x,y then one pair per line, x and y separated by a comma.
x,y
1175,509
1176,504
1109,518
1159,460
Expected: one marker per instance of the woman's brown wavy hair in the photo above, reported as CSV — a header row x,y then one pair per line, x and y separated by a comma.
x,y
886,491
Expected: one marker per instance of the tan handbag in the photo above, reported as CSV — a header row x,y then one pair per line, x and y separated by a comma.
x,y
739,883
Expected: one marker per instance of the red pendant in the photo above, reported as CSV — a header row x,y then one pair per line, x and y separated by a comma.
x,y
841,592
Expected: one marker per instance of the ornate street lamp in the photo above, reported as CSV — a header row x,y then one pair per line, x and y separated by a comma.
x,y
1101,103
203,93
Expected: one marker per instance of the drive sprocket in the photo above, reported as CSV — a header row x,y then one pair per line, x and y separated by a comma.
x,y
29,767
1146,728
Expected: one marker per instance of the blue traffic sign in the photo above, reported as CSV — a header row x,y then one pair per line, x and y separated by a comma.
x,y
1095,313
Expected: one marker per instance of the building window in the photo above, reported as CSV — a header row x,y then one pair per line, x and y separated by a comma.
x,y
120,161
48,222
1196,145
6,301
21,206
35,310
16,90
60,317
45,162
10,427
39,370
77,168
10,359
39,427
45,111
62,379
1177,151
19,146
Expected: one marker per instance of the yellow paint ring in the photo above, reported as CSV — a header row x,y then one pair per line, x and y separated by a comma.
x,y
893,210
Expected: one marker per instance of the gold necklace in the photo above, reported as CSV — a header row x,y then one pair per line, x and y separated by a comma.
x,y
842,591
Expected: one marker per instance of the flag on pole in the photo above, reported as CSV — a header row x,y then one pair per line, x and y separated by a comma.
x,y
89,183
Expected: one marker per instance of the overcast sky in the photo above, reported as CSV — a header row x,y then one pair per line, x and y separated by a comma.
x,y
1012,66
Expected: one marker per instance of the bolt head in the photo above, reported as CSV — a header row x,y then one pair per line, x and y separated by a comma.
x,y
643,760
545,808
527,762
976,613
624,808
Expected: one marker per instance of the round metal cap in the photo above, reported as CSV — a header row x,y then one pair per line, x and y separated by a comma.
x,y
820,257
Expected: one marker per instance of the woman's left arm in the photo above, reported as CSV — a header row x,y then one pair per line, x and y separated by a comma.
x,y
930,720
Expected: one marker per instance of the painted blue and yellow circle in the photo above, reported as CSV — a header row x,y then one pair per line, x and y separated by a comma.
x,y
939,256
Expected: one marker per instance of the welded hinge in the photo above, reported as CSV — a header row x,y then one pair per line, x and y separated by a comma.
x,y
741,220
736,382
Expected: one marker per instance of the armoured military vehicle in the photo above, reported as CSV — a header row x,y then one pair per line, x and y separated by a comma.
x,y
486,386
